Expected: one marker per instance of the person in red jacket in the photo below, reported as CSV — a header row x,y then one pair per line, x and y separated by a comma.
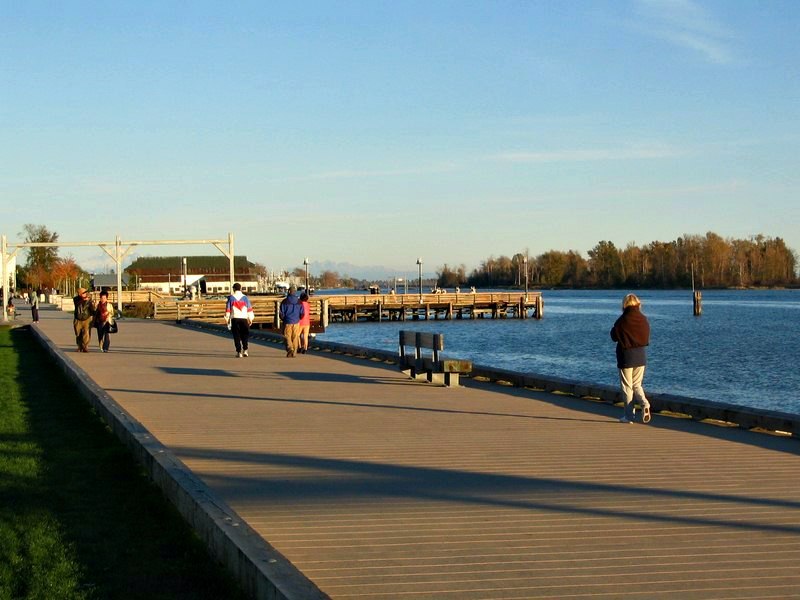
x,y
632,334
305,323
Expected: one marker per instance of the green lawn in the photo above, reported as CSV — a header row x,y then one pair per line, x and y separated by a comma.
x,y
78,519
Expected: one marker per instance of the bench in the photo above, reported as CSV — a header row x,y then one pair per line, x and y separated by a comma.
x,y
429,365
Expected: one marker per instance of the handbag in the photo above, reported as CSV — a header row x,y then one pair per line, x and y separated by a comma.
x,y
113,328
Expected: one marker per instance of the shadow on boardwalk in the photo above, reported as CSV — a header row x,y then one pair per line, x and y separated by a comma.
x,y
354,479
424,409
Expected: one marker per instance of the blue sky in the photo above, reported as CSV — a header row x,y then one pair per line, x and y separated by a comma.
x,y
375,132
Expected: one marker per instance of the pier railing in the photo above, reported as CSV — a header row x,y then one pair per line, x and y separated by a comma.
x,y
377,307
265,308
366,307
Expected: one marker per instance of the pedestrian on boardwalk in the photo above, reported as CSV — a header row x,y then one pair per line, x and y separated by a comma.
x,y
305,323
631,331
103,320
290,313
82,319
239,316
35,306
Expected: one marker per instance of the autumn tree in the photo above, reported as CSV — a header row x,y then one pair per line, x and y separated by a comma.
x,y
40,260
447,277
329,279
65,274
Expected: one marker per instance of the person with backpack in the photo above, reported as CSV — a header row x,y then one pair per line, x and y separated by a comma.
x,y
82,318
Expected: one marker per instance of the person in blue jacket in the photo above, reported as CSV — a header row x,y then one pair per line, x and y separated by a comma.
x,y
291,312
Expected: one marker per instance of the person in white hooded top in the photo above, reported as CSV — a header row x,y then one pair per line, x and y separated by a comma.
x,y
239,316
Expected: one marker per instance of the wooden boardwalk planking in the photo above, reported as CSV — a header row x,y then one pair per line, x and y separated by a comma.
x,y
380,487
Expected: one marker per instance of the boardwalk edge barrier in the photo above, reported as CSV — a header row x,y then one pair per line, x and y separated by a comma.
x,y
260,569
695,408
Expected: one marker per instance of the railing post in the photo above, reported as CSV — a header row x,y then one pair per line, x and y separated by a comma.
x,y
323,315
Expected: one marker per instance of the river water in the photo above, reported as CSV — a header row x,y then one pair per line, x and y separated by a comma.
x,y
744,349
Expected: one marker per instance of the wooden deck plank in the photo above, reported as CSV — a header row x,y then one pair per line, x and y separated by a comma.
x,y
380,487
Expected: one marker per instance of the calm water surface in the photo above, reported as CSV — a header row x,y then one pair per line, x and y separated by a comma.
x,y
744,349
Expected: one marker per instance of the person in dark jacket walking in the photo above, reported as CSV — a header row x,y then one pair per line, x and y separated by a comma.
x,y
35,306
82,318
632,334
290,313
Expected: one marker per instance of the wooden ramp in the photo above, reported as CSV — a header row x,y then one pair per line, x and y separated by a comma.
x,y
379,487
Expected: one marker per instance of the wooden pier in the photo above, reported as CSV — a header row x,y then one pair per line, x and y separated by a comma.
x,y
402,307
352,308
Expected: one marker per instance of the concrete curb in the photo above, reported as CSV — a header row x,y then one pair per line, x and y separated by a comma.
x,y
261,570
696,408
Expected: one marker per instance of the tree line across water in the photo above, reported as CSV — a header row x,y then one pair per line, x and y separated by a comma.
x,y
708,261
713,262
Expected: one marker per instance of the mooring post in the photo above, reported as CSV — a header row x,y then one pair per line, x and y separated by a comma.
x,y
697,303
324,316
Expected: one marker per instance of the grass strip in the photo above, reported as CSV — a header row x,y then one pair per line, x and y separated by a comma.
x,y
78,517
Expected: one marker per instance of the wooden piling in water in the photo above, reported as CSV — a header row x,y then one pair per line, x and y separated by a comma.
x,y
697,303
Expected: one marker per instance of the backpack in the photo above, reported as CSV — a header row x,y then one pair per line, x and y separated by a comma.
x,y
84,310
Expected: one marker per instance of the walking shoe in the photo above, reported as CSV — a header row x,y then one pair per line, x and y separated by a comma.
x,y
624,420
238,355
646,414
244,353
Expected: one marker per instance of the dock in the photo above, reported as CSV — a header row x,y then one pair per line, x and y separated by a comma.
x,y
401,307
362,484
354,308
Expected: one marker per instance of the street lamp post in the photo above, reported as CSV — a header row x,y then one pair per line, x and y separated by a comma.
x,y
305,262
419,265
185,278
525,264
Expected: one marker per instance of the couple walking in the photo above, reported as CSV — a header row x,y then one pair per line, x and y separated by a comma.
x,y
87,314
295,314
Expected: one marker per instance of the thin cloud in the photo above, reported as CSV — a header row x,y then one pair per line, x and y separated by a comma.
x,y
648,152
369,173
686,24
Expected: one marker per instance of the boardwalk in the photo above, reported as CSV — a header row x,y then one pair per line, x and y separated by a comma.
x,y
379,487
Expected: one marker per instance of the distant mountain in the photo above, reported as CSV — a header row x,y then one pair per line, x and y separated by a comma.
x,y
372,272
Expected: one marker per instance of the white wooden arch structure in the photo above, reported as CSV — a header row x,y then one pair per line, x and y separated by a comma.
x,y
117,250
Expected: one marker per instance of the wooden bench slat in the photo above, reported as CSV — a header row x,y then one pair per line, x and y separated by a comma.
x,y
418,366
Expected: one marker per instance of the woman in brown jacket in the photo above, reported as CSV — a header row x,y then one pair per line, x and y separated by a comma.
x,y
632,334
